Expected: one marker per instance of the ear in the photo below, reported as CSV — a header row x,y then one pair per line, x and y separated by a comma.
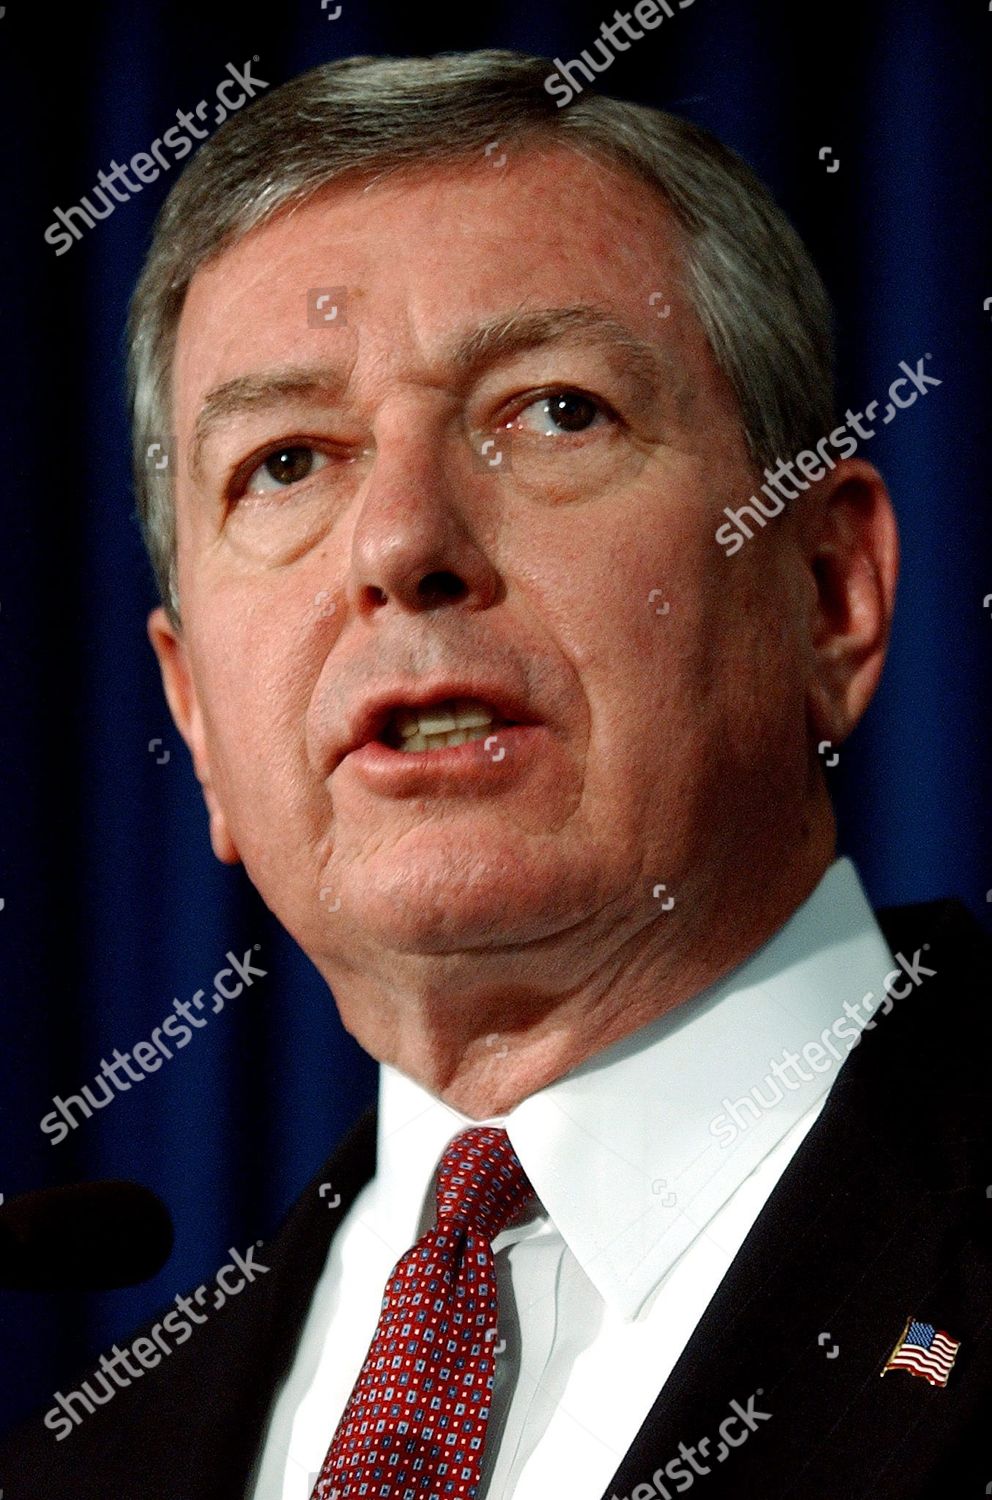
x,y
851,544
180,693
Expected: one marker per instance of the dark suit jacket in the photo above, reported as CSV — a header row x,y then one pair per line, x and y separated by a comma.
x,y
883,1214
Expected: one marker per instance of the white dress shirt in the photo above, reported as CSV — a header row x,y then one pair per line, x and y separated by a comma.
x,y
643,1204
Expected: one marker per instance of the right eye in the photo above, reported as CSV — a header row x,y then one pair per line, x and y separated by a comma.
x,y
283,467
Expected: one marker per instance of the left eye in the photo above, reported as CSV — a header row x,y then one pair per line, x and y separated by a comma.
x,y
283,467
570,411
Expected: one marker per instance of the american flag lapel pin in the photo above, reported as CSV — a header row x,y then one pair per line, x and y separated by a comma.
x,y
925,1351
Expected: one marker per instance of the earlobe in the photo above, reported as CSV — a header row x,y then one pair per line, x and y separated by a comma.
x,y
181,696
221,841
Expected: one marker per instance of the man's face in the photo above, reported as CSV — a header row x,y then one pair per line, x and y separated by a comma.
x,y
389,506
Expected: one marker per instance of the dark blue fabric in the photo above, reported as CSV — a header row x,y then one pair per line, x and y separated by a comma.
x,y
113,902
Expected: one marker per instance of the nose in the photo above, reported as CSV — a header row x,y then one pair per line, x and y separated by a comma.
x,y
415,545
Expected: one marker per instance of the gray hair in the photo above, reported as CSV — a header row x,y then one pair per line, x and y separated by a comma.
x,y
748,275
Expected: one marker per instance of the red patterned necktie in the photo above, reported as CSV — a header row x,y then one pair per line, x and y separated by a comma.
x,y
415,1423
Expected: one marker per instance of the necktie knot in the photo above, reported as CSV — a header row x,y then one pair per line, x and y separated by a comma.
x,y
481,1184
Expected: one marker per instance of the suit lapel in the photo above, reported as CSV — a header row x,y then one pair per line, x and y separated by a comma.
x,y
877,1218
297,1258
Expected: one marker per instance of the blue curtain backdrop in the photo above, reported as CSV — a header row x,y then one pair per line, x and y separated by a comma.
x,y
113,902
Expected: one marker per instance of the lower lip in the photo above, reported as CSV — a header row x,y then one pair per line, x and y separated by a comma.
x,y
453,767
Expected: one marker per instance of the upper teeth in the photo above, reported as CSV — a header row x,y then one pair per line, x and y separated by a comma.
x,y
455,717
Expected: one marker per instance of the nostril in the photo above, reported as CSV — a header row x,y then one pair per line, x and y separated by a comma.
x,y
439,586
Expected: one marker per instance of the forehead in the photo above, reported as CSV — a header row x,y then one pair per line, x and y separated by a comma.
x,y
423,256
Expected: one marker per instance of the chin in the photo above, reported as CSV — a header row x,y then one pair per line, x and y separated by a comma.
x,y
461,899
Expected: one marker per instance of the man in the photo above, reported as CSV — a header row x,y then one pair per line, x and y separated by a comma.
x,y
463,388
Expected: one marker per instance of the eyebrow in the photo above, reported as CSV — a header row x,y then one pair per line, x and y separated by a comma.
x,y
499,338
259,392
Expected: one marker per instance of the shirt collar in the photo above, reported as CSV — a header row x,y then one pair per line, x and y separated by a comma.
x,y
633,1152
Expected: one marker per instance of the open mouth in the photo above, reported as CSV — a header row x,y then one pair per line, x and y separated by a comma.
x,y
452,722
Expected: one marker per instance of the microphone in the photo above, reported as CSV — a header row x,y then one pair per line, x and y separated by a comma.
x,y
91,1237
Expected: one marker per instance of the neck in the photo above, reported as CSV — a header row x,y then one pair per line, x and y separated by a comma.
x,y
481,1034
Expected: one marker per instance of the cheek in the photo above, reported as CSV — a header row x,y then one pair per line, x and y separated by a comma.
x,y
633,605
252,683
630,630
689,667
